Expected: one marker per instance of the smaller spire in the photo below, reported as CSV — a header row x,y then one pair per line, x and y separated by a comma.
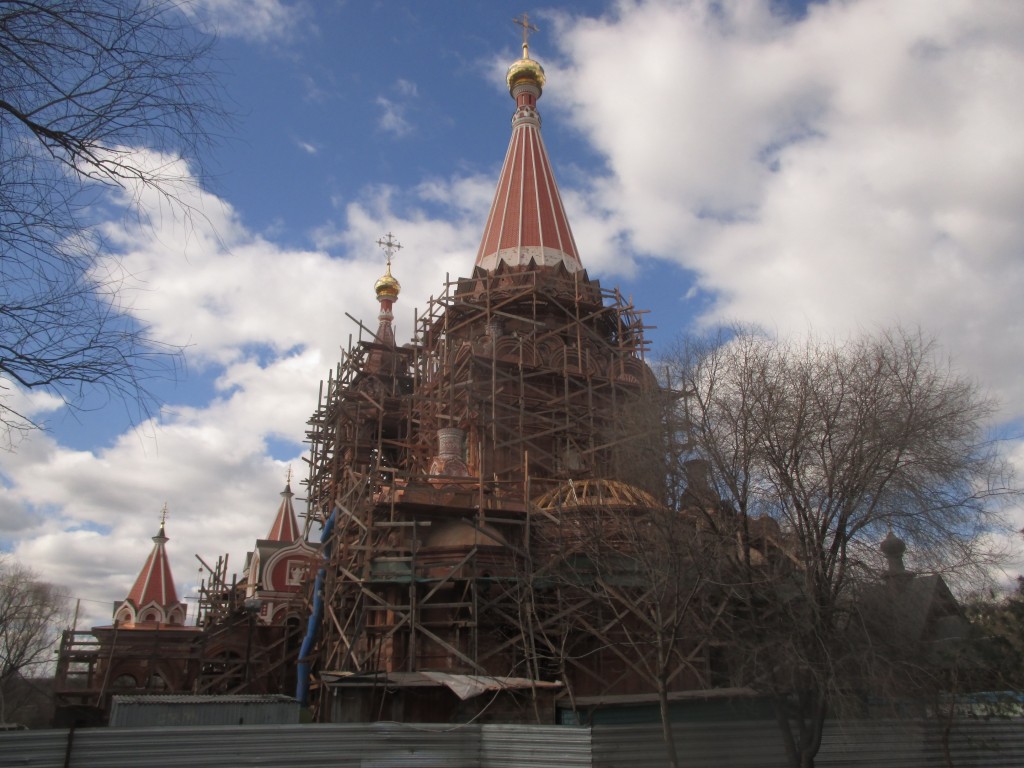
x,y
153,593
387,289
286,525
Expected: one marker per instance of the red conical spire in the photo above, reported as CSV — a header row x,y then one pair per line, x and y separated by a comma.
x,y
153,598
286,525
527,222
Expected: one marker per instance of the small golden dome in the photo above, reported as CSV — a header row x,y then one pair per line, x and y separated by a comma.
x,y
387,287
525,69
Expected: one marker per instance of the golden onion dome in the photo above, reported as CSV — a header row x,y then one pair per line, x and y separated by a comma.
x,y
525,69
387,287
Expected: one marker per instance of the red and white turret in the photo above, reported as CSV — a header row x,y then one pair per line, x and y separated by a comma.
x,y
153,600
277,566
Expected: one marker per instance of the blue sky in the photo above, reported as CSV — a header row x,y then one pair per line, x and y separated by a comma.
x,y
842,166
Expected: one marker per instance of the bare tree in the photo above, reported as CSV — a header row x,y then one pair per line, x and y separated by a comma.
x,y
629,577
823,447
31,615
85,85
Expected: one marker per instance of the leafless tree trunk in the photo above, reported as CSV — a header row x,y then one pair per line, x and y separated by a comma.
x,y
84,86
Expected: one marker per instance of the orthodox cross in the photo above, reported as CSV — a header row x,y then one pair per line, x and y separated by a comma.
x,y
288,476
527,29
163,515
390,246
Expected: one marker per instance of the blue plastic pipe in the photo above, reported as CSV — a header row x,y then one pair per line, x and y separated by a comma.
x,y
315,616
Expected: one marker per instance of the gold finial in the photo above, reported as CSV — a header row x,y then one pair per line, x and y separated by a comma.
x,y
527,29
525,70
288,475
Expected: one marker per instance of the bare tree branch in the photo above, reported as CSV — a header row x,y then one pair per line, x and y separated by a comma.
x,y
84,85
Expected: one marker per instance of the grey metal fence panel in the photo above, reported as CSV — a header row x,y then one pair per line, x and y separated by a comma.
x,y
535,746
398,745
923,744
980,743
32,748
970,743
305,746
738,744
893,744
757,744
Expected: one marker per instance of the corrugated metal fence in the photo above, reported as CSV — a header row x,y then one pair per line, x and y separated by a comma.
x,y
758,744
893,744
373,745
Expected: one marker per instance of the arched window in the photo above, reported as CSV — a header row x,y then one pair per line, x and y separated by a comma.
x,y
125,681
157,682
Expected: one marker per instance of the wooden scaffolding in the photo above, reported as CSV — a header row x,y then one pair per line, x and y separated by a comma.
x,y
425,460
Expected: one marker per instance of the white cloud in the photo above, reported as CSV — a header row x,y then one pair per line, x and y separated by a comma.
x,y
255,20
394,111
21,407
859,167
406,88
392,117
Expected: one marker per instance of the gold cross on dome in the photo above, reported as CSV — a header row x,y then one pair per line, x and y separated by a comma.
x,y
288,477
527,29
163,515
390,246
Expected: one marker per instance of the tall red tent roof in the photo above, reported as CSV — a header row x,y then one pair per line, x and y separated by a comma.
x,y
527,222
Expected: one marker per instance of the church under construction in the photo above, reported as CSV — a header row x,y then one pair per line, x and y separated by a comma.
x,y
449,474
504,520
451,481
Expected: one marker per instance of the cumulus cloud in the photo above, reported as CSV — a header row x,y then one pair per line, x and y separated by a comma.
x,y
857,167
258,21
